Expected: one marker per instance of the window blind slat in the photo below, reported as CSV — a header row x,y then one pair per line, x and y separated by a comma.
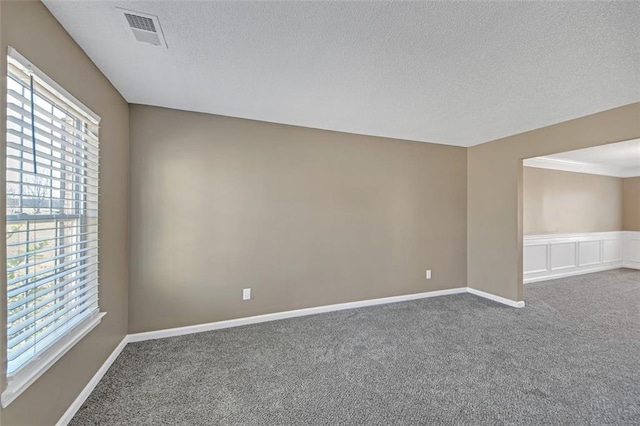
x,y
48,130
26,286
44,167
34,265
78,134
85,278
48,188
38,252
29,322
72,188
44,273
42,141
32,324
69,178
48,326
81,164
72,284
49,127
42,145
29,150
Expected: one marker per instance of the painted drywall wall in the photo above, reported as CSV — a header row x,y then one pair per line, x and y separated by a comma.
x,y
559,202
631,204
494,188
304,217
31,29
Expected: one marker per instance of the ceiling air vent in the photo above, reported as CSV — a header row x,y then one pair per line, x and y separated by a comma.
x,y
143,27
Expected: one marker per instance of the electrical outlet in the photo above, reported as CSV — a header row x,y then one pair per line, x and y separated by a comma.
x,y
428,274
246,294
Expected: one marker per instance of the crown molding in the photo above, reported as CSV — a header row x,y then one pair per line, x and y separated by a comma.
x,y
581,167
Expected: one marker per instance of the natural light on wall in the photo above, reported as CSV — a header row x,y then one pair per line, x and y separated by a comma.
x,y
52,162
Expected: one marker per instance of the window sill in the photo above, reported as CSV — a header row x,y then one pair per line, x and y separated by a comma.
x,y
21,380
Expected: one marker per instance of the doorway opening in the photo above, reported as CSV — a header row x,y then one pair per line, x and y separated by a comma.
x,y
581,212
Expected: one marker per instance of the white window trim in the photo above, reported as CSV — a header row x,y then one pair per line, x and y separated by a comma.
x,y
19,381
79,107
36,367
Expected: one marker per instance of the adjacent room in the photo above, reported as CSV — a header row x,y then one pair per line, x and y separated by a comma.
x,y
580,212
318,213
582,240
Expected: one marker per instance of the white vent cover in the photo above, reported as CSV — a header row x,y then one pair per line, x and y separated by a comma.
x,y
143,27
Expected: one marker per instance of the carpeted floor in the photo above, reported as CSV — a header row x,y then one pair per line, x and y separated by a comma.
x,y
572,356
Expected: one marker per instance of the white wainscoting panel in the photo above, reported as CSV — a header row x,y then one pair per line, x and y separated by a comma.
x,y
631,250
562,255
612,250
589,253
535,258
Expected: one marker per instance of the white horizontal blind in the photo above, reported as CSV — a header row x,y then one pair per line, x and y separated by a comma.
x,y
52,161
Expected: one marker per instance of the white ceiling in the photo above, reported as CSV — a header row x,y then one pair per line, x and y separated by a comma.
x,y
617,159
458,73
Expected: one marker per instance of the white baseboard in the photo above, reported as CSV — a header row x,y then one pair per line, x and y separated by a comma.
x,y
503,300
82,397
199,328
573,273
631,265
179,331
171,332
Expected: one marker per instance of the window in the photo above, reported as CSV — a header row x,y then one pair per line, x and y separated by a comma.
x,y
52,162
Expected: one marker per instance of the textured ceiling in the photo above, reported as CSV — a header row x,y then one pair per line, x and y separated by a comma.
x,y
458,73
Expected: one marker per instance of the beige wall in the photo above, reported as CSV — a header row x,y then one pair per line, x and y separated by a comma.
x,y
631,204
558,202
30,28
304,217
494,177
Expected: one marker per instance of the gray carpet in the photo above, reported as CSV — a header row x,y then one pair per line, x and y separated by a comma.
x,y
572,356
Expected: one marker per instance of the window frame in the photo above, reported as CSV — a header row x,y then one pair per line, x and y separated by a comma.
x,y
32,369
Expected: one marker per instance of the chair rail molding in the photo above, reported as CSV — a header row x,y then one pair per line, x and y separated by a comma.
x,y
561,255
